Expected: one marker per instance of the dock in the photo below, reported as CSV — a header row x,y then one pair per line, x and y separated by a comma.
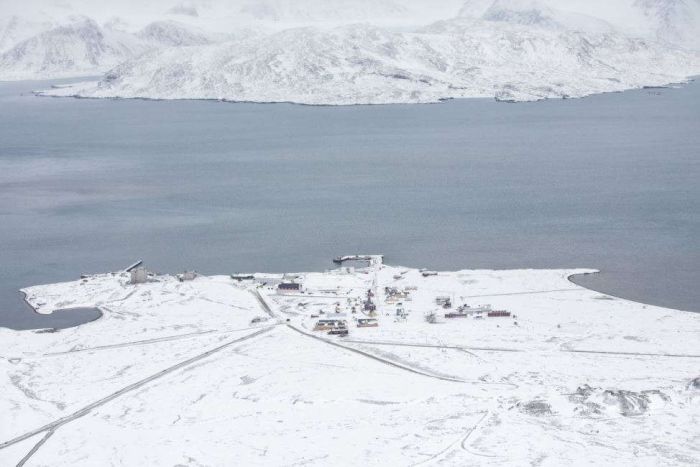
x,y
373,260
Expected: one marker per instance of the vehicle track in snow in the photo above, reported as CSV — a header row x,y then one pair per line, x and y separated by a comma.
x,y
462,440
631,354
463,444
522,293
435,346
379,359
385,361
149,341
100,402
35,448
269,311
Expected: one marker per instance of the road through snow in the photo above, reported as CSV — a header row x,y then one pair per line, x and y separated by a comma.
x,y
88,408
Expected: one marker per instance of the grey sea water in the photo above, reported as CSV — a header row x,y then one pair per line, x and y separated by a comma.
x,y
609,181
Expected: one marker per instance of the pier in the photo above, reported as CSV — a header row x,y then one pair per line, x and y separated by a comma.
x,y
373,260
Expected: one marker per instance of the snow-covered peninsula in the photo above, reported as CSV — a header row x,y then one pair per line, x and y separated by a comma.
x,y
242,369
357,52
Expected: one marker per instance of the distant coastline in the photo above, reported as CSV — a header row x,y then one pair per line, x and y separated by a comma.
x,y
60,313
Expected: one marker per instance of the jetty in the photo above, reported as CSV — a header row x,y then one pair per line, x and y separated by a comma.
x,y
373,260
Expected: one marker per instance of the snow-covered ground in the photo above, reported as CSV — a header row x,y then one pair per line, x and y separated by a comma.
x,y
177,373
341,52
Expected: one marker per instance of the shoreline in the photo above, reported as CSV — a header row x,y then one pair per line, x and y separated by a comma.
x,y
571,278
442,100
553,360
55,313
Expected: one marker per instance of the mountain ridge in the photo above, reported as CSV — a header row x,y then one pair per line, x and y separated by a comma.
x,y
507,49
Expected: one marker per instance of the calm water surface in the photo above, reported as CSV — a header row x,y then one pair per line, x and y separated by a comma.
x,y
610,182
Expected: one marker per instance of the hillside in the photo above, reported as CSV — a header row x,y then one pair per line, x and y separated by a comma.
x,y
357,51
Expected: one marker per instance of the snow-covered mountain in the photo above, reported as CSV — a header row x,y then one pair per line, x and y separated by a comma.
x,y
173,34
532,14
366,64
367,51
76,48
184,9
14,29
674,21
79,46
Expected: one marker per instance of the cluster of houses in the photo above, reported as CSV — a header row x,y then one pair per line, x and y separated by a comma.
x,y
284,284
444,301
334,326
339,326
362,308
477,312
394,294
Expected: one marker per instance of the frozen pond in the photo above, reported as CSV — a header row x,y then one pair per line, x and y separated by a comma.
x,y
609,181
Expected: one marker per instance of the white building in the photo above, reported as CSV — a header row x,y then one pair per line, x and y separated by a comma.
x,y
139,275
187,276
